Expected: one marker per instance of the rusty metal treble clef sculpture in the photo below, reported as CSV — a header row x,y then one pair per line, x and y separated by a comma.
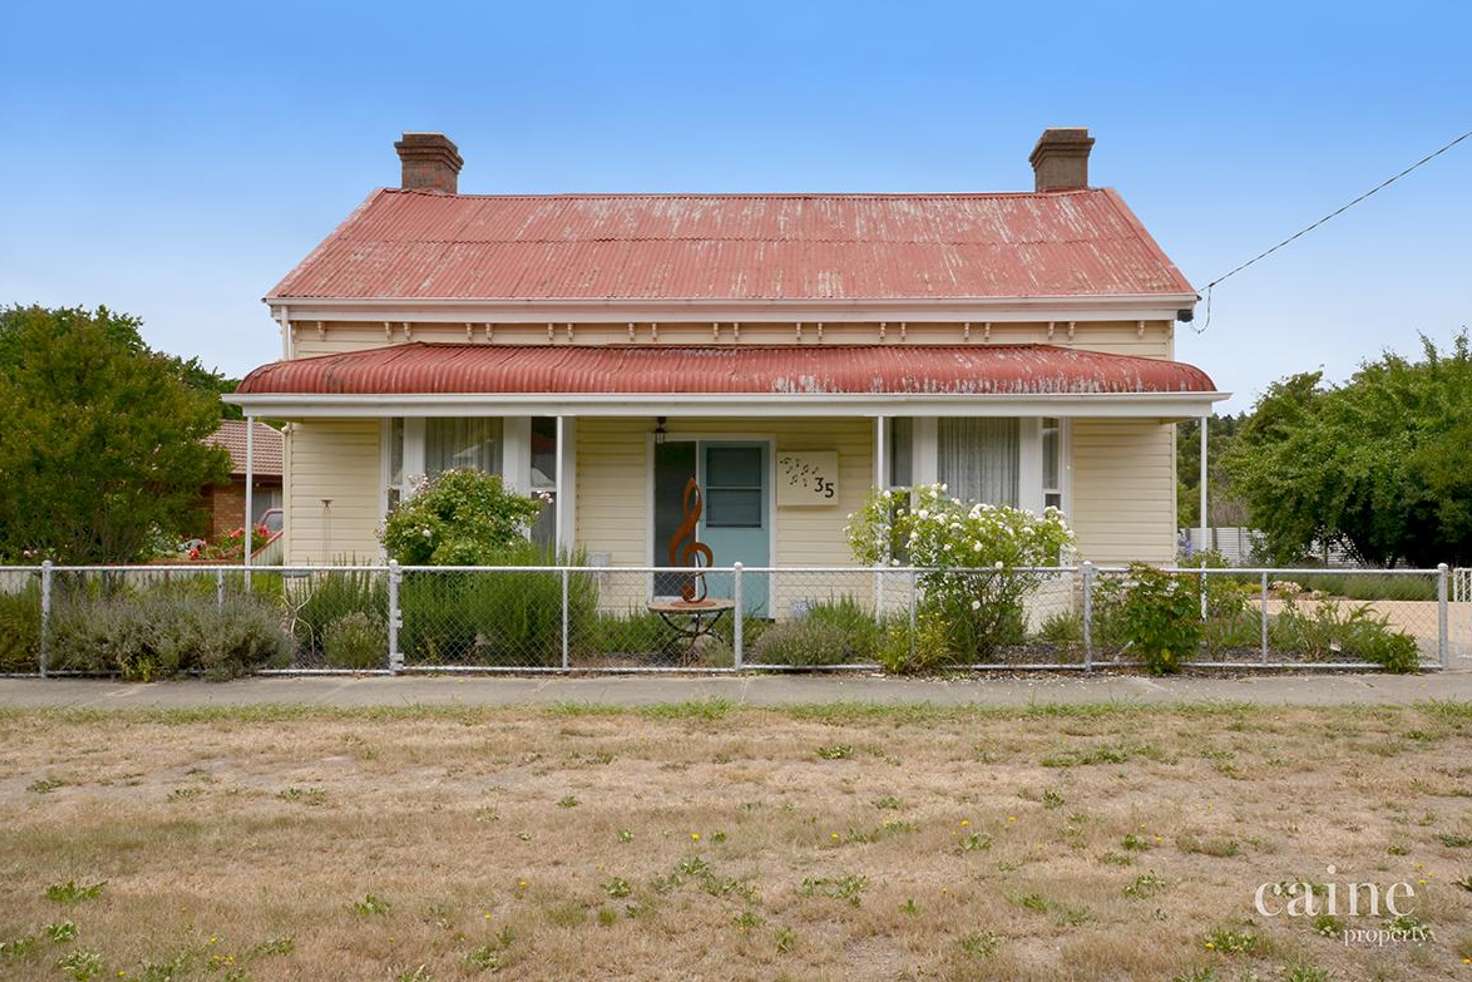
x,y
694,550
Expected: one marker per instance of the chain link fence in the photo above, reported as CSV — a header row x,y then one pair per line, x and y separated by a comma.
x,y
149,621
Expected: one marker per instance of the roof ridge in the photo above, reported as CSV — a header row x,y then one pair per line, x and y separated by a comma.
x,y
737,195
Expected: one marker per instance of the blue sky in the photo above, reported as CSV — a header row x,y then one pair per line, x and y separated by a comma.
x,y
175,160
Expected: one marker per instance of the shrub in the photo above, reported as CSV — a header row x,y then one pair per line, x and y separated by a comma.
x,y
931,649
1158,615
333,595
1335,630
973,554
356,640
20,629
153,636
488,618
834,633
460,518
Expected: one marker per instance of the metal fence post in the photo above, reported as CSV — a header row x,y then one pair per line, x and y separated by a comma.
x,y
1442,647
219,589
1088,586
395,618
914,599
44,655
736,617
1263,604
566,656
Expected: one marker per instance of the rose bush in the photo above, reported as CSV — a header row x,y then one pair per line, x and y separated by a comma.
x,y
975,561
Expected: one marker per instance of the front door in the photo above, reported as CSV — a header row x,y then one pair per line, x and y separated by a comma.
x,y
736,520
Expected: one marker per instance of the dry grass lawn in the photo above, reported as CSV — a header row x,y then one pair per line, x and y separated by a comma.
x,y
702,840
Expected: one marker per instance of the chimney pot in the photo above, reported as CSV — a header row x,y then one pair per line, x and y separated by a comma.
x,y
431,162
1060,161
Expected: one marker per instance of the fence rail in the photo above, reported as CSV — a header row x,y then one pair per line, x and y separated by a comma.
x,y
144,621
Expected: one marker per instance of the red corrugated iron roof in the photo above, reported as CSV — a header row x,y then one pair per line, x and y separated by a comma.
x,y
266,448
427,245
1022,369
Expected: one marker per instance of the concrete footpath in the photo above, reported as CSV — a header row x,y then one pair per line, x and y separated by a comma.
x,y
757,690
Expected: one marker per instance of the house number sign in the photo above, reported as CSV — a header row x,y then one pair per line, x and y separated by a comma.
x,y
807,478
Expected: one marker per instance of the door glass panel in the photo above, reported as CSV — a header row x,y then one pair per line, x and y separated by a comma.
x,y
733,467
733,508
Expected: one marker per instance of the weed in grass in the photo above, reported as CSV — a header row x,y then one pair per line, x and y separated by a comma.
x,y
1119,754
304,796
1217,847
45,785
18,947
283,945
61,932
1329,926
569,801
849,887
617,888
1145,885
1410,925
837,751
980,944
370,905
185,794
83,966
1230,942
625,835
1035,902
1304,972
1453,840
1135,843
71,893
1052,799
748,921
785,938
976,842
1112,858
420,973
1074,916
1398,849
888,801
607,917
709,710
1195,975
910,908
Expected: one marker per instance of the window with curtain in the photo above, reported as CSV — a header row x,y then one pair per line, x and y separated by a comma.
x,y
473,442
899,446
1052,440
395,461
978,459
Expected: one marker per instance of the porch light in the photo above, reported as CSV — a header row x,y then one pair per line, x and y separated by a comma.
x,y
659,430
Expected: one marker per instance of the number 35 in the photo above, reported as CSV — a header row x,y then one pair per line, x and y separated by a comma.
x,y
825,488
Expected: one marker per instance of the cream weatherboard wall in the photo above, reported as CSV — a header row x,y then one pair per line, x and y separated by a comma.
x,y
339,461
1124,490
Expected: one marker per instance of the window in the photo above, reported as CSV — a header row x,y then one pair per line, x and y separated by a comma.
x,y
472,442
395,462
544,452
733,487
1052,439
978,459
899,443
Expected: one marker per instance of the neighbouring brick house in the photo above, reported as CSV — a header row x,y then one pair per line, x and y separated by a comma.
x,y
226,502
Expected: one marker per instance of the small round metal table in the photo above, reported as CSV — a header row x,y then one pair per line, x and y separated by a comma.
x,y
689,621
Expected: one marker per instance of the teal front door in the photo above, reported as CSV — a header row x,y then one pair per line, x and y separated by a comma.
x,y
736,521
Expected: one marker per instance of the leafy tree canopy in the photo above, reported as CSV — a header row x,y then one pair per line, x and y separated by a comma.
x,y
1379,464
100,449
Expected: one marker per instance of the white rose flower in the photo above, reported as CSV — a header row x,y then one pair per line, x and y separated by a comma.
x,y
976,605
997,564
976,547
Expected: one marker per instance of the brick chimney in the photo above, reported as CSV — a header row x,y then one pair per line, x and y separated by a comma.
x,y
431,162
1060,161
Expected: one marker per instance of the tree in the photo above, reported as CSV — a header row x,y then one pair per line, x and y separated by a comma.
x,y
101,448
1379,464
1223,506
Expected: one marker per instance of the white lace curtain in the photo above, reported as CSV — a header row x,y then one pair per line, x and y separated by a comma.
x,y
473,442
978,459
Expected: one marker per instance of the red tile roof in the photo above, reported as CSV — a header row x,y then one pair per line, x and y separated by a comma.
x,y
1023,369
266,449
426,245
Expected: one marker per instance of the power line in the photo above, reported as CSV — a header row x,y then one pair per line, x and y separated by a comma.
x,y
1333,214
